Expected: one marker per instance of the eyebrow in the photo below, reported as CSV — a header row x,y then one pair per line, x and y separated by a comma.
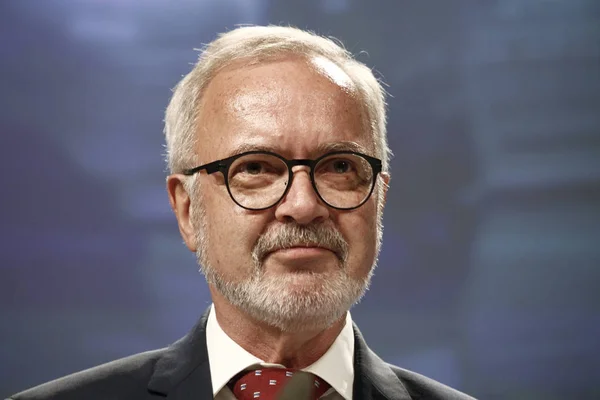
x,y
321,149
342,146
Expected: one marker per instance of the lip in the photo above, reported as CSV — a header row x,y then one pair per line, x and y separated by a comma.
x,y
301,251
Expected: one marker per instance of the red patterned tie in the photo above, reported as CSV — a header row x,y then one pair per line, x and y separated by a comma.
x,y
268,383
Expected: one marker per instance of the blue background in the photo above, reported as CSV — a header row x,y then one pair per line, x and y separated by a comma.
x,y
489,278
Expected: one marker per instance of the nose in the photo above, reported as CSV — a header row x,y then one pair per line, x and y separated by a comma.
x,y
301,203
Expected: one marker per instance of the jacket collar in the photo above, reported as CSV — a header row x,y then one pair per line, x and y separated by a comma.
x,y
373,377
183,371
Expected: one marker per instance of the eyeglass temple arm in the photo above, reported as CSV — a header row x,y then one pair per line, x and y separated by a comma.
x,y
210,168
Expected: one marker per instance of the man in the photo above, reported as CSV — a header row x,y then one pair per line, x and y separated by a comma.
x,y
279,169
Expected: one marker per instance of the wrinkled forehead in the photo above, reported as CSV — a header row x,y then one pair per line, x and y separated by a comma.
x,y
278,99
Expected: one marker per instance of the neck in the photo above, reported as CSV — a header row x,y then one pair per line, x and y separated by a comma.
x,y
297,349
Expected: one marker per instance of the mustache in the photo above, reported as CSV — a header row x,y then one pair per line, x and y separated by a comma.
x,y
293,234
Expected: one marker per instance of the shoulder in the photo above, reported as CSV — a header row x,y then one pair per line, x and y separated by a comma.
x,y
421,387
125,378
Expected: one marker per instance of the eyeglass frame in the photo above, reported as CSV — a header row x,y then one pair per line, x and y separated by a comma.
x,y
224,164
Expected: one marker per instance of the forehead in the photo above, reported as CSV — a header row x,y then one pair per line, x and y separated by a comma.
x,y
292,105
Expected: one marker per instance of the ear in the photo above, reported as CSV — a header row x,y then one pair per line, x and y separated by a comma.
x,y
180,204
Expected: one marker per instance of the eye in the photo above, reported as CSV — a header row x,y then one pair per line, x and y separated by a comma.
x,y
252,168
257,166
341,166
337,166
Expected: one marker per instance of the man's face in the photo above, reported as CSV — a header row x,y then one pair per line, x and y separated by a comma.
x,y
294,108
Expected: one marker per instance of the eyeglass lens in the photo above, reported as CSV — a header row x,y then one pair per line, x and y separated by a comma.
x,y
259,180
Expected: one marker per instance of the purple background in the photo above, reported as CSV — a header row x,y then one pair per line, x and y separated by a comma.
x,y
489,278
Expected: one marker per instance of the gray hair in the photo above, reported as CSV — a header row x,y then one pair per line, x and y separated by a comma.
x,y
257,43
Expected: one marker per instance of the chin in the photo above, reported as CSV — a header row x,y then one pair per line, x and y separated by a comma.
x,y
300,268
300,300
304,301
313,288
300,280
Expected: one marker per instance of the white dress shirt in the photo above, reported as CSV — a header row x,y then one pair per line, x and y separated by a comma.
x,y
227,358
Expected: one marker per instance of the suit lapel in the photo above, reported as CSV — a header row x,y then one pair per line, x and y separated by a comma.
x,y
373,378
183,371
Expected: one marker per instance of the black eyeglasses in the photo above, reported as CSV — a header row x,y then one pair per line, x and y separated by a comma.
x,y
257,180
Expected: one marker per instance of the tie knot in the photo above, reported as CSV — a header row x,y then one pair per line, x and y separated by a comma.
x,y
278,383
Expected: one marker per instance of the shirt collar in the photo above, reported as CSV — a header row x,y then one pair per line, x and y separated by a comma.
x,y
227,358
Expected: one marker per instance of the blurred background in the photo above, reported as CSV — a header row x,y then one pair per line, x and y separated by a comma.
x,y
489,278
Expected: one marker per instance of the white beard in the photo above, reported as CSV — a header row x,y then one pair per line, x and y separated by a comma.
x,y
295,301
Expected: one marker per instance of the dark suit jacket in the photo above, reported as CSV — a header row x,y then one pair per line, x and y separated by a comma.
x,y
181,372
